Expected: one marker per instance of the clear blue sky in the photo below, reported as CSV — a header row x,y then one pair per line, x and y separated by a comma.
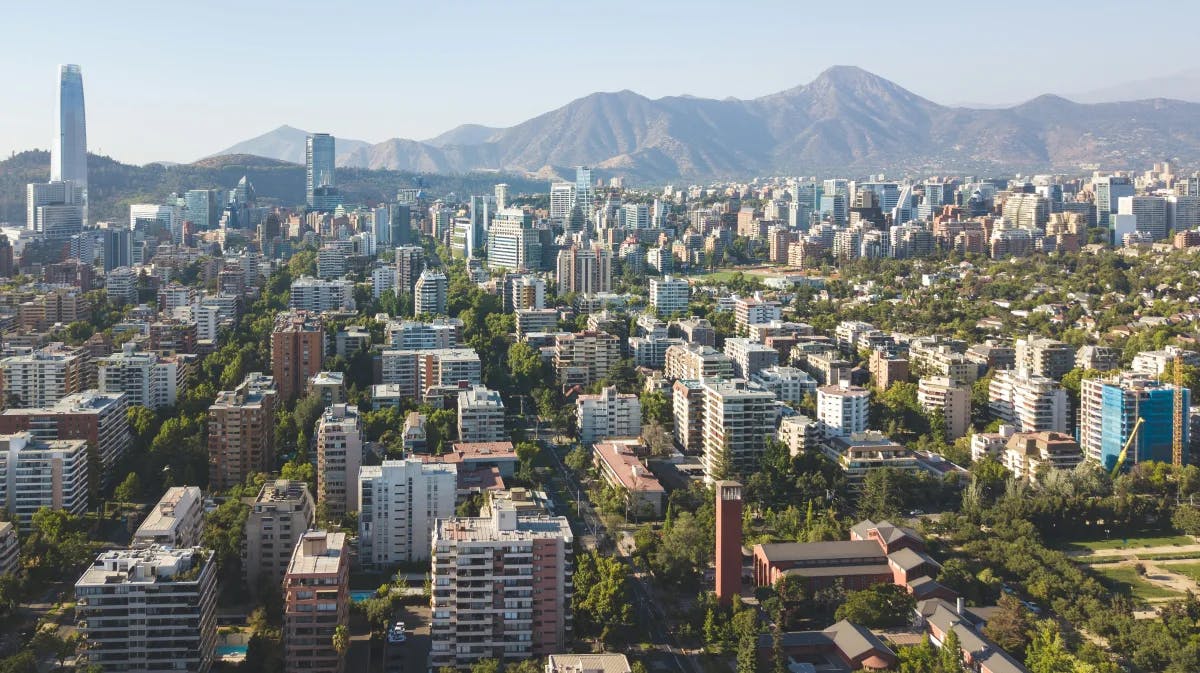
x,y
176,81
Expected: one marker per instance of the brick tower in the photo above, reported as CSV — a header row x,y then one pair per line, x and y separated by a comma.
x,y
729,541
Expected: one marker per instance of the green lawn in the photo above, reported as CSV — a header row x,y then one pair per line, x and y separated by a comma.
x,y
1125,580
1191,570
1132,543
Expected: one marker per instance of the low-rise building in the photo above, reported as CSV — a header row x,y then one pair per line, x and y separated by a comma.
x,y
622,469
860,453
175,521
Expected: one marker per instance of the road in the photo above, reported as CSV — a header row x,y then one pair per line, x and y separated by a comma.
x,y
667,654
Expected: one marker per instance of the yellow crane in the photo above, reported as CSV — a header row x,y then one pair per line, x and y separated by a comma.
x,y
1125,449
1177,416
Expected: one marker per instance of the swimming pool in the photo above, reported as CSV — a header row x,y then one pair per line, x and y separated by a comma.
x,y
231,650
360,596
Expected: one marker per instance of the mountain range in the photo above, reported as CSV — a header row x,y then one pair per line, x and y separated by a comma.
x,y
846,119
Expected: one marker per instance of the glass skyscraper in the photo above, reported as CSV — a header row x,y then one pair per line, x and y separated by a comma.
x,y
585,193
68,151
319,157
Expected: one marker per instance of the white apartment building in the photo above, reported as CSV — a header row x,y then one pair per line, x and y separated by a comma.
x,y
339,455
400,501
694,362
738,416
799,433
669,295
429,293
607,415
317,295
788,384
175,521
843,411
480,415
120,285
524,561
146,379
1030,402
383,278
43,377
150,610
36,474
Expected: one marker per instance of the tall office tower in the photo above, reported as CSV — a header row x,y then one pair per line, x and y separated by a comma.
x,y
241,432
339,455
729,541
562,200
585,193
401,224
429,293
480,217
1109,191
738,418
1150,211
513,243
319,155
400,500
316,601
68,150
501,196
62,199
117,244
1183,213
202,207
410,260
152,610
586,270
298,343
1109,408
528,560
280,515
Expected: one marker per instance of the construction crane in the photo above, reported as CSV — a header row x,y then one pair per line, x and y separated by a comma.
x,y
1177,416
1125,449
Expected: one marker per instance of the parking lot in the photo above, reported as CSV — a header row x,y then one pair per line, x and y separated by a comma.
x,y
412,655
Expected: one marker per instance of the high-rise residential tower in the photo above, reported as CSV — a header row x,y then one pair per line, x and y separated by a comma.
x,y
319,154
585,193
68,152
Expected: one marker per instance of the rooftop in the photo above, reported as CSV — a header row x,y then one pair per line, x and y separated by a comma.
x,y
150,565
164,517
587,663
628,468
468,529
318,553
821,551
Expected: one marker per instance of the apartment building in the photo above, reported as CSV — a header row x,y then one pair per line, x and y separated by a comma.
x,y
318,295
749,357
738,416
399,502
501,588
1045,357
609,414
799,433
282,512
1110,407
585,357
695,362
298,344
94,417
621,467
175,521
1028,401
152,610
951,399
316,600
669,295
44,376
37,473
241,431
146,379
687,409
843,410
753,310
339,455
696,331
788,384
480,415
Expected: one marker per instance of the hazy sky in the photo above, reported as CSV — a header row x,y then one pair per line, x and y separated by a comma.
x,y
177,81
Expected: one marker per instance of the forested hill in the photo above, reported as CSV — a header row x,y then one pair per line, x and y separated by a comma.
x,y
112,185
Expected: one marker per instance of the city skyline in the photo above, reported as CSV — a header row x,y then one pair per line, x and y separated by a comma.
x,y
182,104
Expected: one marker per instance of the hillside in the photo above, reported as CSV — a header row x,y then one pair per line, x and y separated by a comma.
x,y
113,185
846,119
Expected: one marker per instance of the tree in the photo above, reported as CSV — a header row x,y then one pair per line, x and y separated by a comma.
x,y
224,530
880,606
526,666
579,459
129,490
603,598
657,409
341,640
486,666
1010,626
950,658
1047,652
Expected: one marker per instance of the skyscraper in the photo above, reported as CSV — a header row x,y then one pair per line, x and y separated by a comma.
x,y
585,194
68,151
319,153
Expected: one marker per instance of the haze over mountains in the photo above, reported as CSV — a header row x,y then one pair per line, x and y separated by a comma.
x,y
846,119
